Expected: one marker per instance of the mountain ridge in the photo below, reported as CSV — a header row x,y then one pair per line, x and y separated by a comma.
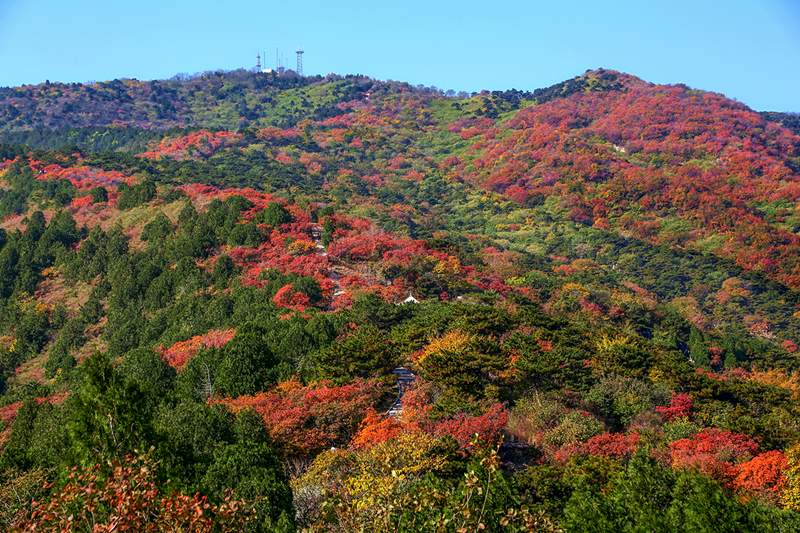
x,y
158,98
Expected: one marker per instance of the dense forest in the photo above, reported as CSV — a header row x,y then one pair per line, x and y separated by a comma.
x,y
247,301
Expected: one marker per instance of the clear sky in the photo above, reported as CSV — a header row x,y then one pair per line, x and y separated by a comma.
x,y
746,49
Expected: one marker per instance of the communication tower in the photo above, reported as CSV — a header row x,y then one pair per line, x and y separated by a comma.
x,y
299,69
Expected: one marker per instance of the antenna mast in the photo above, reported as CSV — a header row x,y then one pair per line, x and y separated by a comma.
x,y
299,69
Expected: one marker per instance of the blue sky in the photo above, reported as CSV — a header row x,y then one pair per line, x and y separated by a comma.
x,y
748,50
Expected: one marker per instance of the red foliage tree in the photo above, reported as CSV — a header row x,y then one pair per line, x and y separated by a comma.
x,y
179,353
763,474
289,298
680,406
612,444
8,413
79,202
83,177
713,451
305,420
376,429
201,143
488,426
273,134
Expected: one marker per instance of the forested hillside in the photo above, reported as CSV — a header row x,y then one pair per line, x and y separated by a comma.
x,y
210,285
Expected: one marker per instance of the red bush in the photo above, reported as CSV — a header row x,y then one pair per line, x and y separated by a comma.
x,y
376,429
680,406
80,202
201,143
612,444
288,298
488,426
179,353
764,473
306,420
714,452
8,413
84,177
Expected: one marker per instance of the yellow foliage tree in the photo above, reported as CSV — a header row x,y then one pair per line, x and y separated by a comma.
x,y
360,487
452,342
300,247
791,495
448,267
779,378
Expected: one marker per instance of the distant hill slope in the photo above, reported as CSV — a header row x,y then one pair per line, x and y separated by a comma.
x,y
687,170
666,163
788,120
213,100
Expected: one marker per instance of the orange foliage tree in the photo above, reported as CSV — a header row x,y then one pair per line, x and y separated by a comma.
x,y
763,474
375,429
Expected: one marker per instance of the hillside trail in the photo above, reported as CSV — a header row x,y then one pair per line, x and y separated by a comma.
x,y
339,269
405,378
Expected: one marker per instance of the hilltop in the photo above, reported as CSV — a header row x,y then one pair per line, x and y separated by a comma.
x,y
608,272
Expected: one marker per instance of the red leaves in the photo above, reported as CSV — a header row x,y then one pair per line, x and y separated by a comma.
x,y
376,429
312,163
613,445
714,452
202,143
275,254
365,246
8,413
288,298
488,426
179,353
680,406
5,163
273,134
81,202
360,252
663,149
467,128
284,158
764,473
84,177
305,420
203,194
414,175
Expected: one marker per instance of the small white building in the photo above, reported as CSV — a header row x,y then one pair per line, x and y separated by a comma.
x,y
410,300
